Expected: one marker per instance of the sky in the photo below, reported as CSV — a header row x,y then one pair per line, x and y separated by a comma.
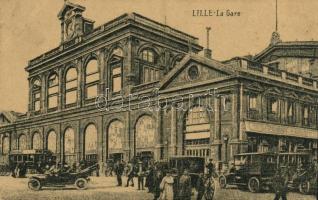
x,y
29,28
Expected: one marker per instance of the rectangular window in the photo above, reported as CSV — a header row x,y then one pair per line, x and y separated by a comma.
x,y
71,84
290,112
52,102
71,97
53,90
252,102
117,71
37,95
37,105
272,109
91,91
272,105
306,115
117,84
92,77
116,76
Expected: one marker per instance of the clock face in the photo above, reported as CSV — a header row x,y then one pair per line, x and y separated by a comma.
x,y
70,28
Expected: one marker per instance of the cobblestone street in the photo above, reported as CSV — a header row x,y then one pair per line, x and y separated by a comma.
x,y
104,188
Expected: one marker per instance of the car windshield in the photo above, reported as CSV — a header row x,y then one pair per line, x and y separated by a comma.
x,y
241,160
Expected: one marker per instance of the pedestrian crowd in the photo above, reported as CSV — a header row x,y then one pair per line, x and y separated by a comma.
x,y
163,183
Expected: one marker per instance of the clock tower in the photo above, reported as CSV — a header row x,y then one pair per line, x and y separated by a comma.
x,y
73,24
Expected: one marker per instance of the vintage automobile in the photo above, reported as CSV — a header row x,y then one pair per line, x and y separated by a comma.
x,y
29,160
302,176
194,165
252,170
61,179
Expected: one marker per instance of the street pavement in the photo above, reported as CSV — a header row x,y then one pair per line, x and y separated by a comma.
x,y
104,188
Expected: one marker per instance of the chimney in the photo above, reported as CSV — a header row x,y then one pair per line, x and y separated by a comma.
x,y
207,51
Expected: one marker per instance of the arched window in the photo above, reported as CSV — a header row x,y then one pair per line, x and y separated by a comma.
x,y
145,132
116,65
53,91
51,141
69,141
149,70
91,79
36,141
197,132
5,145
69,146
91,143
22,142
115,131
71,87
36,95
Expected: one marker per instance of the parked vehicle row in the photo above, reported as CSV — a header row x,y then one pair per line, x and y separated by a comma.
x,y
255,171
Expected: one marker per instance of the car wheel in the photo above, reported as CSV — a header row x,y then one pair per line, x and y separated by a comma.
x,y
254,184
34,184
304,187
81,183
222,181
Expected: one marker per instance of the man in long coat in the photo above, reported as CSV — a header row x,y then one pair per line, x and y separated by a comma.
x,y
185,188
280,182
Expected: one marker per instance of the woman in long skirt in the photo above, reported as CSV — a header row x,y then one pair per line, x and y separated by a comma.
x,y
166,187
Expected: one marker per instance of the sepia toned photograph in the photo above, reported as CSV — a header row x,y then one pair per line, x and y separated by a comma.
x,y
158,100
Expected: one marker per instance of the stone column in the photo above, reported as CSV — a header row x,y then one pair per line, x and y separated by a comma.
x,y
44,93
100,156
30,105
80,83
129,141
217,130
102,78
128,74
58,143
60,101
158,136
173,133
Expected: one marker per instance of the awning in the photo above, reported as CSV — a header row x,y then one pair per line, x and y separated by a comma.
x,y
281,130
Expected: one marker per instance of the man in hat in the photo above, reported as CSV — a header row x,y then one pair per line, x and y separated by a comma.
x,y
210,167
280,182
200,186
130,174
185,188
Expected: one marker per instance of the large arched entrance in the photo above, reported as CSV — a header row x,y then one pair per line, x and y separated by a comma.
x,y
36,141
90,146
196,137
115,133
51,142
69,146
145,131
22,142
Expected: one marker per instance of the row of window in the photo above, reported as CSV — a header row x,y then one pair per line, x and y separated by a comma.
x,y
145,138
91,82
273,110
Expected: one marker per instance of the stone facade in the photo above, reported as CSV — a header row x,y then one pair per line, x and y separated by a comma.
x,y
157,98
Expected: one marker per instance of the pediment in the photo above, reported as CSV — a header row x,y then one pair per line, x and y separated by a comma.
x,y
255,87
70,6
194,70
3,119
273,91
291,95
307,98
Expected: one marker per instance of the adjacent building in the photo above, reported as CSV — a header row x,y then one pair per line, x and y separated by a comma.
x,y
133,86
